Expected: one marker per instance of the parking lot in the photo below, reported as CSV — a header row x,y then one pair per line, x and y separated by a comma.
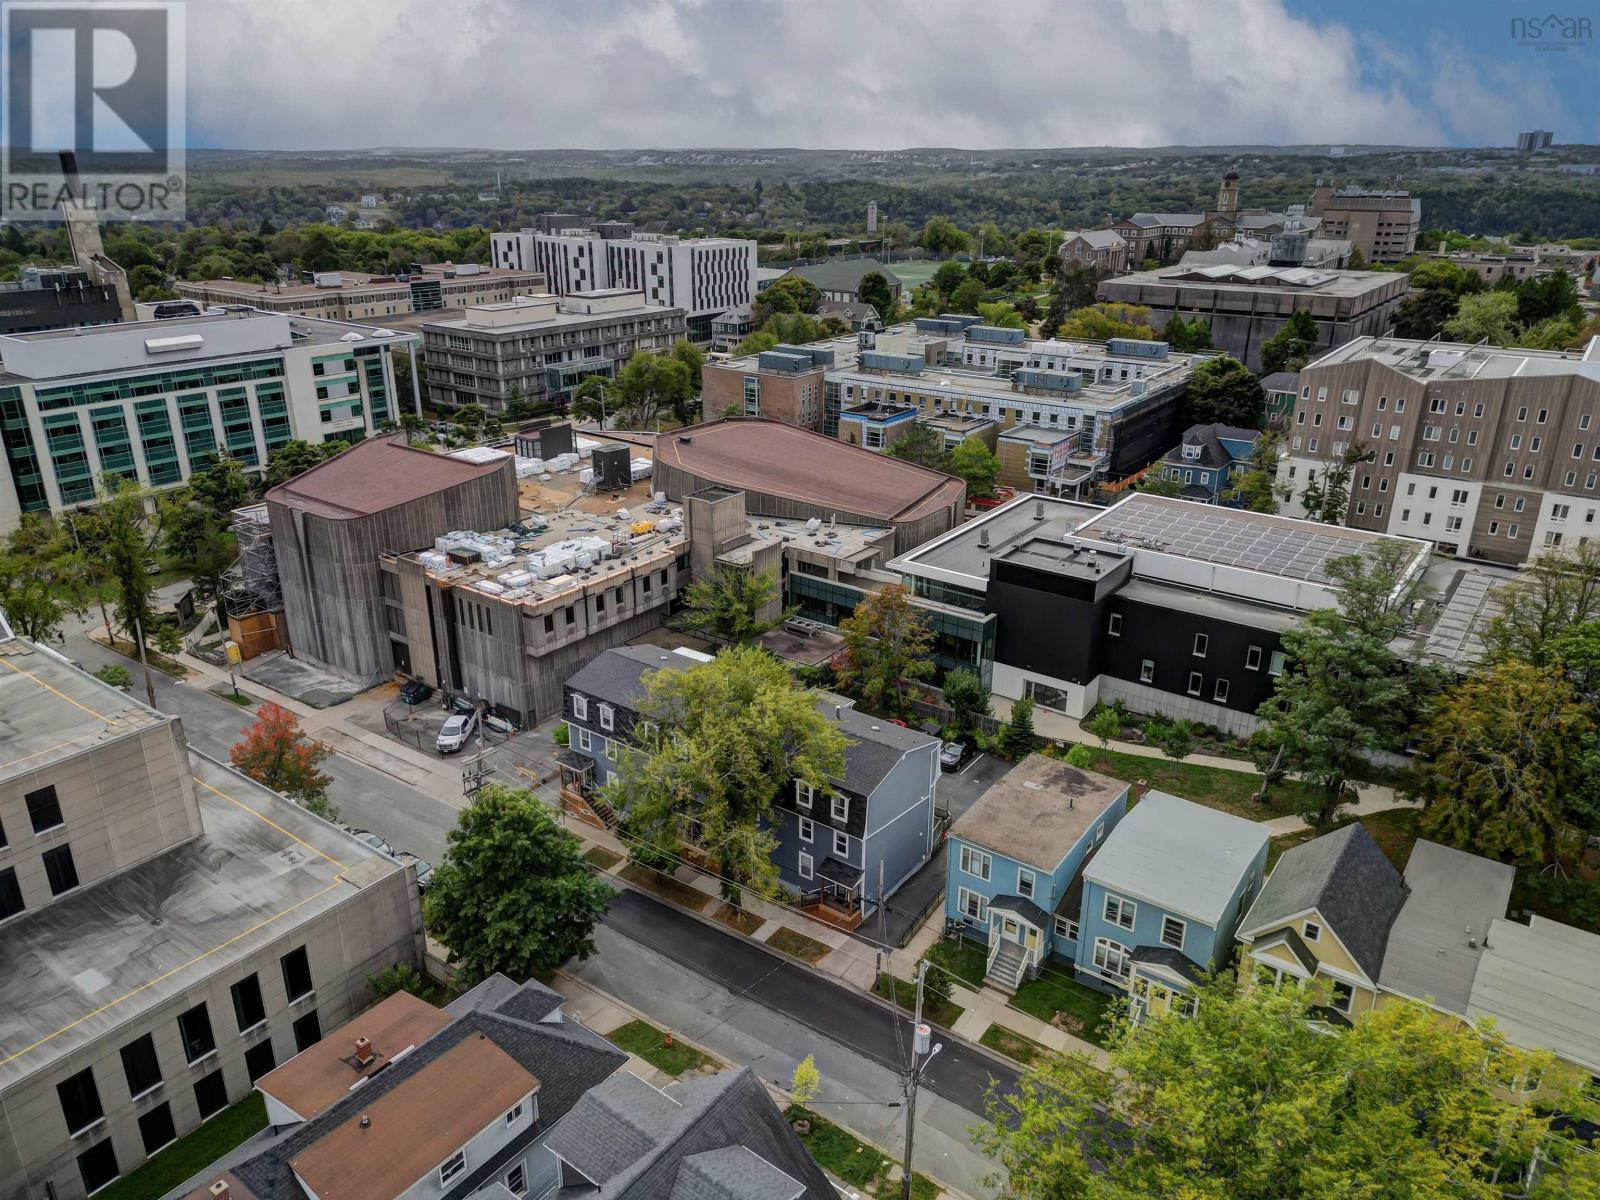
x,y
959,789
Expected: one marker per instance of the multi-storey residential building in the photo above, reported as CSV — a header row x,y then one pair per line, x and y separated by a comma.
x,y
1245,306
1491,453
705,277
358,296
1116,404
1209,461
158,400
875,822
1381,223
171,930
540,348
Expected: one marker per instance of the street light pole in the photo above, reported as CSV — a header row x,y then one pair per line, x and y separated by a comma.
x,y
149,683
920,1049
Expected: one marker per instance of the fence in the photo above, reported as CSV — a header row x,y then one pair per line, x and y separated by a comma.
x,y
946,715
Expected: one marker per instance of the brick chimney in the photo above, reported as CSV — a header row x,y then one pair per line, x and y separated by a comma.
x,y
219,1190
363,1056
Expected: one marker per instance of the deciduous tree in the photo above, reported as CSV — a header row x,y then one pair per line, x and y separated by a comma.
x,y
1557,590
277,754
726,604
1224,390
875,290
513,894
290,459
967,696
1291,346
921,444
1487,316
975,463
887,643
1109,319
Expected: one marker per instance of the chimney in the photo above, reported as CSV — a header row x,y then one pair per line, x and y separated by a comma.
x,y
219,1190
363,1050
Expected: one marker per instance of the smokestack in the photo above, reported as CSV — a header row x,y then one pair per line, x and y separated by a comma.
x,y
363,1050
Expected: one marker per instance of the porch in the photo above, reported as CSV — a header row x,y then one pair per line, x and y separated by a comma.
x,y
580,797
837,898
1161,980
1017,941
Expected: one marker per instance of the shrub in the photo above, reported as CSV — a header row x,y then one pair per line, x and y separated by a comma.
x,y
402,977
116,675
561,735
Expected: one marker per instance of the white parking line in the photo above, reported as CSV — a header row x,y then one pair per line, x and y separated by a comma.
x,y
971,764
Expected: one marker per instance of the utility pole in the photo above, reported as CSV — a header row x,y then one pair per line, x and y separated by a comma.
x,y
149,683
921,1055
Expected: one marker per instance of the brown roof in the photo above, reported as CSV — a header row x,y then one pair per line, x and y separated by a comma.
x,y
314,1079
236,1190
415,1127
759,455
1037,811
376,474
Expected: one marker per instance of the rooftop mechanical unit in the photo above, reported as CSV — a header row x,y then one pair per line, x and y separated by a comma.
x,y
613,468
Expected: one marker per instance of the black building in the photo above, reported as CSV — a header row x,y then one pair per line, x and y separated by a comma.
x,y
55,298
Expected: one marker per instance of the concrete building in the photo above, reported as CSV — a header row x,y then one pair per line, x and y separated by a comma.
x,y
785,471
1118,402
171,931
705,277
358,296
1490,453
157,400
539,348
56,298
1328,254
1245,306
1381,223
331,524
1534,139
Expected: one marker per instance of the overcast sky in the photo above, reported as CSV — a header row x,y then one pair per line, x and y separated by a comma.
x,y
525,74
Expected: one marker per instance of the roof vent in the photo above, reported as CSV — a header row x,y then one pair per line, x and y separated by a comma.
x,y
983,537
366,1121
1038,510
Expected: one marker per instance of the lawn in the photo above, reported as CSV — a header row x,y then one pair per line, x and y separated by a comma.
x,y
847,1157
797,945
1086,1012
158,661
745,921
914,273
962,957
192,1153
242,699
601,857
940,1012
1229,791
665,886
1395,831
1014,1046
649,1043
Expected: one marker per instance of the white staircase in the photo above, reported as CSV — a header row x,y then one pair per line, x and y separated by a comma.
x,y
1007,966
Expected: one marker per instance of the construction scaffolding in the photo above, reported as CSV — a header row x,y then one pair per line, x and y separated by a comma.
x,y
251,585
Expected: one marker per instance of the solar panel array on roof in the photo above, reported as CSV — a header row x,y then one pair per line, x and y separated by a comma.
x,y
1229,538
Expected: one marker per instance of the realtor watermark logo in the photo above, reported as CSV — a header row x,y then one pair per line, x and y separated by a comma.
x,y
103,80
1552,33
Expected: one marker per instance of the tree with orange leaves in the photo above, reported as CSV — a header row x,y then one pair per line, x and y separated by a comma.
x,y
276,753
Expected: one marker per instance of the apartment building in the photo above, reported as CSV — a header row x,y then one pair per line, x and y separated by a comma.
x,y
158,400
171,931
1490,453
358,296
705,277
1382,223
535,349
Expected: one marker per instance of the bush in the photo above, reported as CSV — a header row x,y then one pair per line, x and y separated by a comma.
x,y
1080,756
402,977
561,735
117,675
1174,739
1016,739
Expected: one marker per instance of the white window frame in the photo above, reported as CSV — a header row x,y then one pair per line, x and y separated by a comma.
x,y
1252,658
803,793
1183,931
807,866
1114,625
1026,883
964,907
971,856
808,829
580,706
840,836
1197,683
1276,663
520,1171
1105,950
1311,931
585,741
1349,997
1219,693
1067,928
1119,912
452,1166
514,1113
1202,643
1147,671
840,808
608,716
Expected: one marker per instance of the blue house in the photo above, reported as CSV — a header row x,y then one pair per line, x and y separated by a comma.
x,y
1209,460
833,844
1163,898
1015,859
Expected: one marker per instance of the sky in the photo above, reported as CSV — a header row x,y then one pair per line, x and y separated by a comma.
x,y
881,74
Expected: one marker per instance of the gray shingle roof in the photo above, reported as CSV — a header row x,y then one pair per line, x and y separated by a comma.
x,y
1347,879
636,1142
617,675
1023,907
1173,960
1281,381
844,274
566,1058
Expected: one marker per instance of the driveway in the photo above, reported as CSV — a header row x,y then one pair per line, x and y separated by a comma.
x,y
958,790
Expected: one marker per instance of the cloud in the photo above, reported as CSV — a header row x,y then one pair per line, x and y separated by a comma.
x,y
523,74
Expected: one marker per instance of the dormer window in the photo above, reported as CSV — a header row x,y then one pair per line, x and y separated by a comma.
x,y
802,794
841,807
1191,453
580,707
607,717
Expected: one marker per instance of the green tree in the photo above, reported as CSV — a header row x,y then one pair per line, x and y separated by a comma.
x,y
693,358
122,532
806,1081
1224,390
400,977
1016,736
1544,297
1488,316
921,444
1175,739
1110,319
975,463
940,236
967,296
117,675
43,578
1400,1105
949,277
294,457
1002,315
1423,315
650,386
965,693
1555,592
1498,759
169,640
1187,335
593,399
730,737
319,252
788,294
513,894
1159,482
221,487
1291,346
874,289
1256,488
1345,694
1326,497
887,643
726,604
1106,725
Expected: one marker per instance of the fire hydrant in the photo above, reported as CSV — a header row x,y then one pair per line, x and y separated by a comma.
x,y
669,1037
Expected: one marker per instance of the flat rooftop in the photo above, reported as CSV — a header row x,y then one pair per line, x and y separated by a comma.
x,y
1541,984
1447,361
377,474
1037,812
770,457
1271,545
50,710
352,281
960,556
833,539
86,965
1287,281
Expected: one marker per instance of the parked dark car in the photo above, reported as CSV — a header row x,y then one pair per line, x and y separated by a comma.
x,y
951,755
414,691
424,868
373,840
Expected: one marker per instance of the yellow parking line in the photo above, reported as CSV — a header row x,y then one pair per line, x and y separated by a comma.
x,y
169,974
263,817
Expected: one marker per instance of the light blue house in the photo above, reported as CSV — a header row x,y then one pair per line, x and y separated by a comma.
x,y
1209,460
1015,859
1163,897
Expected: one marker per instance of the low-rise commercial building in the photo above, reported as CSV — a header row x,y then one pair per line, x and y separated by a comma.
x,y
538,349
359,296
56,298
1244,306
171,931
158,400
1382,223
